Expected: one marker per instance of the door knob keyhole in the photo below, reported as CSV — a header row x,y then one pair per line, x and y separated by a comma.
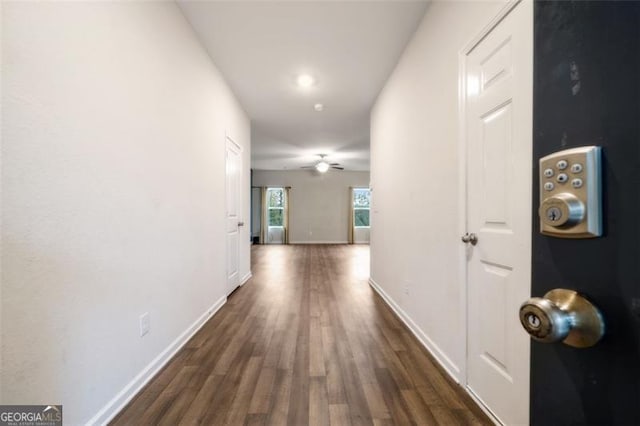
x,y
534,321
562,316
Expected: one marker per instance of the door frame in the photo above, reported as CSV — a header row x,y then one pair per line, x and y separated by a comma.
x,y
462,192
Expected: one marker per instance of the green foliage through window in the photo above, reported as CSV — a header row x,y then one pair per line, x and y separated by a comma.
x,y
275,201
361,198
275,217
361,206
361,217
276,197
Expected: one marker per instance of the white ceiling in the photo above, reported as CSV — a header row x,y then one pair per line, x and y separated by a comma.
x,y
349,47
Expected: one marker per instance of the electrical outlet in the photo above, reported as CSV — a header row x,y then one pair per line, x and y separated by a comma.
x,y
406,288
145,324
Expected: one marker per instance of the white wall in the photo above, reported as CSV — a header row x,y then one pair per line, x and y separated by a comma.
x,y
361,235
319,202
113,143
415,240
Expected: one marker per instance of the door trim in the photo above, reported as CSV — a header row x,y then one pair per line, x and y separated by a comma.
x,y
462,192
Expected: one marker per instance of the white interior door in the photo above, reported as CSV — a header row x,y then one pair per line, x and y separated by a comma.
x,y
499,91
233,221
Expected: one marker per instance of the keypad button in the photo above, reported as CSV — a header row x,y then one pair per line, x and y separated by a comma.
x,y
562,178
576,168
548,172
576,183
549,186
562,164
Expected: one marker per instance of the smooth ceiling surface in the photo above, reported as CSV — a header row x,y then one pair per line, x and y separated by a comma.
x,y
349,47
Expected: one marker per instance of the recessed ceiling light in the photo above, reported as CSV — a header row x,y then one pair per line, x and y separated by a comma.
x,y
305,80
318,107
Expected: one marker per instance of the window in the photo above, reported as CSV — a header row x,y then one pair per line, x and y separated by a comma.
x,y
275,206
361,206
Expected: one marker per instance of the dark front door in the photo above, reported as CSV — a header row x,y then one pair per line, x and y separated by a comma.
x,y
587,92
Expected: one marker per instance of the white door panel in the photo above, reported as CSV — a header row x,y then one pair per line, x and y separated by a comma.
x,y
233,198
499,148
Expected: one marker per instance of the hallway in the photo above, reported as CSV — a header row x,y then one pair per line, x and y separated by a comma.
x,y
306,341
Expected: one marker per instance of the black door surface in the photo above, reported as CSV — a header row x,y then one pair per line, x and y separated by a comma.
x,y
587,92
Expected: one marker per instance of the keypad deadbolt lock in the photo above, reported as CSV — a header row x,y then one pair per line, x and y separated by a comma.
x,y
570,193
562,316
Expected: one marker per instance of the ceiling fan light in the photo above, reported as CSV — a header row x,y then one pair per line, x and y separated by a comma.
x,y
322,166
305,80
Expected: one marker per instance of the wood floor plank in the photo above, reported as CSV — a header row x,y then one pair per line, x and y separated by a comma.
x,y
305,342
375,400
274,349
196,411
185,397
318,402
316,361
384,422
279,408
466,417
339,415
445,417
220,404
256,420
288,347
393,397
418,409
162,404
299,400
262,394
240,406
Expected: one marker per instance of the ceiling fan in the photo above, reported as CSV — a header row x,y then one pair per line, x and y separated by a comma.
x,y
323,165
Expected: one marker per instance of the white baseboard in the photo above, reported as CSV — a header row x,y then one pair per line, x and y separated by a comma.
x,y
319,242
246,278
445,362
113,407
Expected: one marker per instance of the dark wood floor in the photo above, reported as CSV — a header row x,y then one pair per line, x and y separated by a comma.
x,y
305,342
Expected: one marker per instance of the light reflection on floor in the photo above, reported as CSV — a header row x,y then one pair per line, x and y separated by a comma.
x,y
360,262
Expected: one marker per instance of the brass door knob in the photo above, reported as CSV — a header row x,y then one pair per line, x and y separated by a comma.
x,y
562,315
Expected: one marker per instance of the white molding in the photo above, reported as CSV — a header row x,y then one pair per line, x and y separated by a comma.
x,y
246,278
319,242
445,362
113,407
